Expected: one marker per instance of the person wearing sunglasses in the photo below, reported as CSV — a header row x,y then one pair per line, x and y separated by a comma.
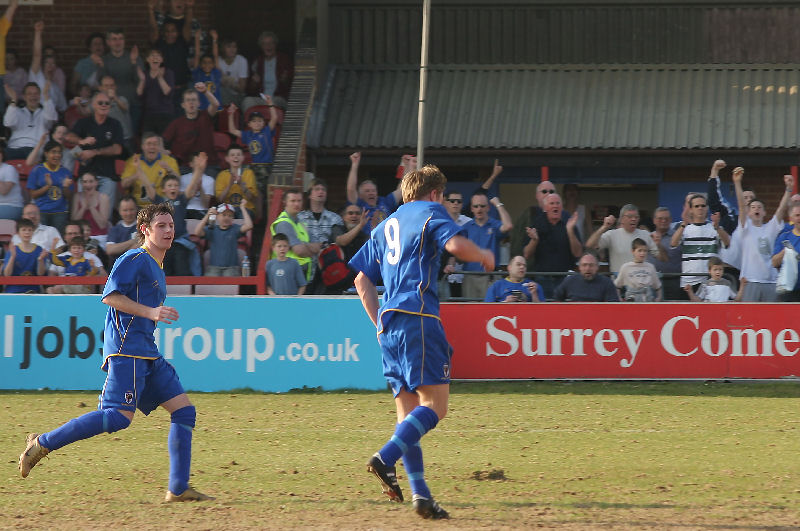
x,y
450,276
707,239
525,221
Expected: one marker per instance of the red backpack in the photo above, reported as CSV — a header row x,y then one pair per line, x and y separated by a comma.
x,y
335,273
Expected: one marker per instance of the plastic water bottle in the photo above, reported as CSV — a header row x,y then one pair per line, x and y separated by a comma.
x,y
212,218
246,266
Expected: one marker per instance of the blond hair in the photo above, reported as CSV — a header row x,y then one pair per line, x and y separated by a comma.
x,y
419,183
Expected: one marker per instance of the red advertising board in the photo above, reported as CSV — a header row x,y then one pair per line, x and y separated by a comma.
x,y
619,341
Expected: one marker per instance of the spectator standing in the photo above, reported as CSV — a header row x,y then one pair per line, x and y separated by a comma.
x,y
28,120
259,141
174,49
572,204
271,73
143,174
705,239
122,236
715,288
155,88
11,200
553,244
451,279
662,237
205,71
43,235
223,240
57,134
5,25
51,187
284,275
301,248
319,222
180,13
234,73
515,287
486,232
194,131
25,258
790,236
15,76
124,66
587,286
519,236
120,110
618,241
757,240
93,207
366,195
87,70
351,237
100,139
639,278
237,182
43,70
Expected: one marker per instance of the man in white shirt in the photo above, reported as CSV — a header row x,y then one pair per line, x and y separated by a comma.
x,y
29,122
757,240
234,73
618,241
43,235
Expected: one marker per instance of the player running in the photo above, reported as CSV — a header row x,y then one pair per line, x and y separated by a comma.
x,y
138,376
404,251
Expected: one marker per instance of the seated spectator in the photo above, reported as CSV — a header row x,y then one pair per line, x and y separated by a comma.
x,y
122,236
284,274
236,183
143,174
300,246
587,286
234,73
87,70
155,89
756,240
16,76
11,200
51,187
366,196
58,134
205,71
198,205
93,245
639,278
706,237
43,71
28,120
74,229
715,288
25,258
618,241
182,258
350,236
554,245
92,207
515,287
486,232
194,131
58,76
223,240
319,222
271,73
43,235
72,264
258,139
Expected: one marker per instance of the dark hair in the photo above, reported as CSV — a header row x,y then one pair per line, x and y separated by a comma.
x,y
77,240
147,214
279,237
51,145
30,84
292,191
115,31
93,36
170,177
207,56
590,252
234,146
638,242
127,198
25,222
318,181
714,261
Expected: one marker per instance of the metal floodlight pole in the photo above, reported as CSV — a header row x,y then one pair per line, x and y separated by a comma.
x,y
423,76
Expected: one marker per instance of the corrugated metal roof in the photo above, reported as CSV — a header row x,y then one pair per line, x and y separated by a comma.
x,y
567,107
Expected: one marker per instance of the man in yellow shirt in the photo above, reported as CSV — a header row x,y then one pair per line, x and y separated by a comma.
x,y
237,182
148,169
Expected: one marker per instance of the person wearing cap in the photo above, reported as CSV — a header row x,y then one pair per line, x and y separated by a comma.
x,y
223,240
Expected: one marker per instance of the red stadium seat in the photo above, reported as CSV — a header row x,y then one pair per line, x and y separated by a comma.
x,y
222,119
72,115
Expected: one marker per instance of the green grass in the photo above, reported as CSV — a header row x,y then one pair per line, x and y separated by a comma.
x,y
509,456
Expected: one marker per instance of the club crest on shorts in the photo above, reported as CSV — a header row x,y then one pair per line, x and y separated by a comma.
x,y
446,370
129,397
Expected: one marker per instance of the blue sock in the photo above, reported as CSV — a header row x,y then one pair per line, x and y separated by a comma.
x,y
179,443
412,462
410,431
83,427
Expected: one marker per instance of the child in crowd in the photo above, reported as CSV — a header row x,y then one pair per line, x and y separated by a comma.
x,y
716,288
198,203
205,70
72,264
237,183
515,287
68,156
155,88
284,276
223,240
258,140
51,187
25,259
639,278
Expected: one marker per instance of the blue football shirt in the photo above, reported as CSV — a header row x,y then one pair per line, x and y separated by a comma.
x,y
405,251
138,276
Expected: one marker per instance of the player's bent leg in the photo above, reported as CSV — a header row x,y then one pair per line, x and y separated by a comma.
x,y
183,416
83,427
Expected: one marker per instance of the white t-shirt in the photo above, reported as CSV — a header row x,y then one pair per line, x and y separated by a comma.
x,y
207,187
8,174
640,280
237,69
716,291
757,244
618,242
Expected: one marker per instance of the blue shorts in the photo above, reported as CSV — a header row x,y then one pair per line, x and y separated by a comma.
x,y
134,383
415,352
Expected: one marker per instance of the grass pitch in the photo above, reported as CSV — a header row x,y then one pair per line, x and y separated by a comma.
x,y
509,456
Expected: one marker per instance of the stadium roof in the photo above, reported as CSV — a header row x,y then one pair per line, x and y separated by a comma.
x,y
600,107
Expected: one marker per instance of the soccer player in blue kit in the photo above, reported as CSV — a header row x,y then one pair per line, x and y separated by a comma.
x,y
404,251
138,376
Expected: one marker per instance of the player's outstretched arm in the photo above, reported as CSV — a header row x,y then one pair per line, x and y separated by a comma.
x,y
118,301
466,251
369,296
